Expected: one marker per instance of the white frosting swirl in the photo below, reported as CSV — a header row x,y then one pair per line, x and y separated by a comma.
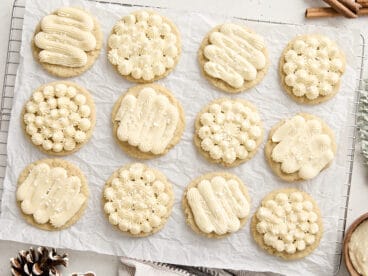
x,y
66,37
302,146
133,201
52,117
147,121
50,195
234,55
313,66
280,226
229,130
218,205
143,45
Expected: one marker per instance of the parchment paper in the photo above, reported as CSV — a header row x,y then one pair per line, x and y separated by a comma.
x,y
177,243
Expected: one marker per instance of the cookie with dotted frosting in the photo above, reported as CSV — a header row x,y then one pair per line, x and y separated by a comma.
x,y
299,148
147,121
138,200
233,58
59,118
311,67
52,194
287,224
144,46
216,204
67,42
228,131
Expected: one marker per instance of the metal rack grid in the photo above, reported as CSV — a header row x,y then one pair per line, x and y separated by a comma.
x,y
11,66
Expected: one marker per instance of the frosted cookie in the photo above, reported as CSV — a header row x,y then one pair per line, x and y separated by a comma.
x,y
228,131
233,58
59,118
299,148
67,42
147,121
288,224
216,204
144,46
310,68
52,194
138,200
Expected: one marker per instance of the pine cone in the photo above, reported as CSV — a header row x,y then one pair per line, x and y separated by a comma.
x,y
41,262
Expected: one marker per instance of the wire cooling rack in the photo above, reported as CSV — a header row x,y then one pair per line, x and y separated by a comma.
x,y
11,66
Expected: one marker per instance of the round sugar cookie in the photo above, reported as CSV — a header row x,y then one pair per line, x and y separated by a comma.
x,y
231,197
233,58
138,200
52,194
147,121
144,46
299,148
287,224
59,118
67,42
310,68
228,131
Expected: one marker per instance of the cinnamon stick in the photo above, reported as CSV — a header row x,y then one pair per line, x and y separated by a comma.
x,y
363,11
351,5
340,8
328,12
363,3
321,12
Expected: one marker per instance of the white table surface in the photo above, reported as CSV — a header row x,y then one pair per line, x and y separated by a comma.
x,y
276,10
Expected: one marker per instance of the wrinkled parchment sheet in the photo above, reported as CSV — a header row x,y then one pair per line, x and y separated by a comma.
x,y
98,159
